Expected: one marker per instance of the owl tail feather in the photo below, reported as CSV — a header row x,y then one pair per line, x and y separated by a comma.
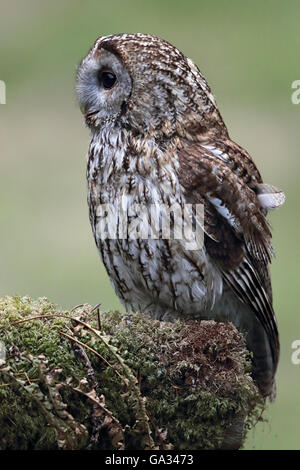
x,y
269,196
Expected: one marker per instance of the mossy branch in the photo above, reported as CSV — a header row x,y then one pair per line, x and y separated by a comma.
x,y
134,384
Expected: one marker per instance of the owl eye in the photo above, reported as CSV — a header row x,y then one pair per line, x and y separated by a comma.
x,y
106,79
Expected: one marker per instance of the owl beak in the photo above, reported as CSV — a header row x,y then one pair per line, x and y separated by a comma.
x,y
90,114
90,117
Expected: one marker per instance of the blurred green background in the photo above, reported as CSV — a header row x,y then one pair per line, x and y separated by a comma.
x,y
249,53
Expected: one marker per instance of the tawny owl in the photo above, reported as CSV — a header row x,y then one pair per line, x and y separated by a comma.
x,y
159,141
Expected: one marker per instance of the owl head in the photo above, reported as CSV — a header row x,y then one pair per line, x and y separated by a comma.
x,y
143,83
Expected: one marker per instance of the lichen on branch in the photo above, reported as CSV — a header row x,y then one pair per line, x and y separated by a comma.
x,y
84,379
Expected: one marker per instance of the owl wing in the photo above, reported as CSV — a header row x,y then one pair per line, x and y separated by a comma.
x,y
237,233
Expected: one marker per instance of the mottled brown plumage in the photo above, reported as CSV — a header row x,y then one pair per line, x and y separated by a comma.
x,y
158,140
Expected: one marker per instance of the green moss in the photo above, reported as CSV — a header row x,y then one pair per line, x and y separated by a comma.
x,y
146,384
